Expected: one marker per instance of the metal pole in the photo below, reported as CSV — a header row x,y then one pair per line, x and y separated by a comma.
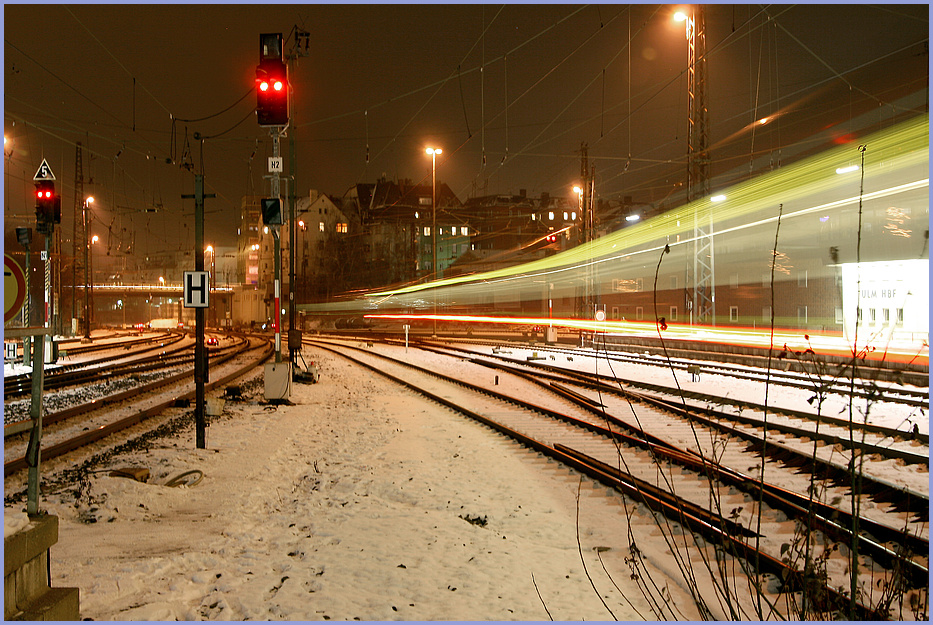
x,y
293,249
33,450
200,364
277,261
48,287
87,251
434,231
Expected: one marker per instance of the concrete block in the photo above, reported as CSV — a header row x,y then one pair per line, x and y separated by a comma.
x,y
26,592
57,604
26,544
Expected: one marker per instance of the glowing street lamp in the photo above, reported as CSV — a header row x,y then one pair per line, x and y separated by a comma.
x,y
87,275
211,280
89,297
434,152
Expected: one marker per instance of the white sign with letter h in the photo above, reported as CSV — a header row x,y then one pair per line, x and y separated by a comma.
x,y
197,289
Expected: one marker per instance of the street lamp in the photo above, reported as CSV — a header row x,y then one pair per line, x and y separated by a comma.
x,y
434,152
87,276
89,298
211,281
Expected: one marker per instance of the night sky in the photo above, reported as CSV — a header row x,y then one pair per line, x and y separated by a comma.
x,y
509,92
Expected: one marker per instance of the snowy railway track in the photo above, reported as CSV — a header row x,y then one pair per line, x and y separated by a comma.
x,y
637,464
745,420
88,372
81,425
785,371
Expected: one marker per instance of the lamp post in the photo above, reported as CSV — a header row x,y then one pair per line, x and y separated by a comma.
x,y
90,265
702,307
211,283
434,152
87,275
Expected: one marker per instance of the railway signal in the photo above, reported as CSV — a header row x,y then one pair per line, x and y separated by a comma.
x,y
271,211
48,203
271,82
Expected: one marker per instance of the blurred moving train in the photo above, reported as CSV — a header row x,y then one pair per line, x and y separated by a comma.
x,y
835,243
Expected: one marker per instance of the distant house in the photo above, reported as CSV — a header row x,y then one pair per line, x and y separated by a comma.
x,y
513,229
393,239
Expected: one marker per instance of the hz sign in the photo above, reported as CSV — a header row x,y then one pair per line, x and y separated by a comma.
x,y
197,289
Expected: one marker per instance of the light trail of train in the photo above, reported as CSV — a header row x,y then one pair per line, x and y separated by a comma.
x,y
850,268
793,340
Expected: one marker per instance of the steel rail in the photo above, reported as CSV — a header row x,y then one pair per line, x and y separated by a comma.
x,y
601,385
107,430
711,525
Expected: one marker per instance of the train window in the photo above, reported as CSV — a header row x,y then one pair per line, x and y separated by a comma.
x,y
639,313
673,314
639,284
839,317
801,314
615,312
733,313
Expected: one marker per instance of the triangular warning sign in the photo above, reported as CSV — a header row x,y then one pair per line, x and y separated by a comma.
x,y
44,172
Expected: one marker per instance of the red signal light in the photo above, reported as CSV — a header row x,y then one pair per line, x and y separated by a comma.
x,y
275,85
272,93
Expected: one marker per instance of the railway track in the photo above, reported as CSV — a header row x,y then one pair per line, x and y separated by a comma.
x,y
100,419
87,371
708,497
174,353
909,387
909,446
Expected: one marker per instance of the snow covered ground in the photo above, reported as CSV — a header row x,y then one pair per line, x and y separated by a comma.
x,y
363,502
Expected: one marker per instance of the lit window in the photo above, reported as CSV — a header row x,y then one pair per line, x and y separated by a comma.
x,y
321,226
573,215
550,215
342,228
464,231
565,215
427,231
